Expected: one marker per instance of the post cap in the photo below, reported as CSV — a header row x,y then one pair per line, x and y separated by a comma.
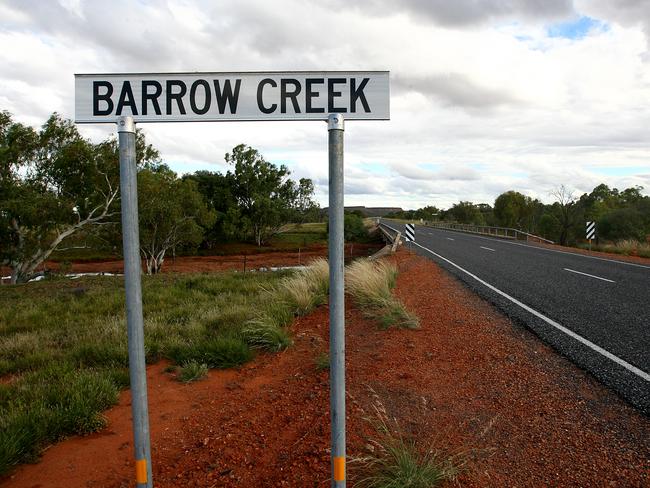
x,y
335,122
125,124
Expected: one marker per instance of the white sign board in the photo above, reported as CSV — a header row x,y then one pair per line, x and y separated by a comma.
x,y
194,97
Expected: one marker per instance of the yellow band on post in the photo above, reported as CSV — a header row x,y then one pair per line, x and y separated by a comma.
x,y
339,468
141,471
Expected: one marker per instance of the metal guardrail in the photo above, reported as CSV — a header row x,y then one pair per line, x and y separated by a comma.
x,y
501,232
394,239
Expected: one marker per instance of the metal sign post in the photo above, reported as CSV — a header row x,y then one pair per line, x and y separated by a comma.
x,y
133,286
335,128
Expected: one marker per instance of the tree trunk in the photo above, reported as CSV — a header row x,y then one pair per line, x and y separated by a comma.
x,y
22,272
154,262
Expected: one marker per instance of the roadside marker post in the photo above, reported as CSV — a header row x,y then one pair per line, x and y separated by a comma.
x,y
237,96
409,234
591,231
133,287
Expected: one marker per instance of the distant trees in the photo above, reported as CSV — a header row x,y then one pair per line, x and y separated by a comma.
x,y
466,213
254,198
560,218
58,188
172,212
53,185
618,214
515,210
263,192
305,208
428,212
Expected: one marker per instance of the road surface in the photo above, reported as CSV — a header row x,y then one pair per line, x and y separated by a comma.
x,y
594,311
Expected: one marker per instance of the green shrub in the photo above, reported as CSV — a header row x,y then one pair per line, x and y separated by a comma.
x,y
263,333
192,371
216,352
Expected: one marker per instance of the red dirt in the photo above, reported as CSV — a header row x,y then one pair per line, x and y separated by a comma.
x,y
202,264
468,380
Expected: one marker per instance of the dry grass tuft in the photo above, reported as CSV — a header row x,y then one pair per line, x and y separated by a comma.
x,y
308,288
370,284
393,461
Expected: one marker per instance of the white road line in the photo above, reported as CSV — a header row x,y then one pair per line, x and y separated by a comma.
x,y
504,241
630,367
487,248
449,239
587,274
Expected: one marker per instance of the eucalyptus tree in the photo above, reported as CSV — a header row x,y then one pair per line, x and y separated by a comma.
x,y
54,184
172,213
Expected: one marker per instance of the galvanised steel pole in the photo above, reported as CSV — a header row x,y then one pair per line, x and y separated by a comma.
x,y
132,284
335,127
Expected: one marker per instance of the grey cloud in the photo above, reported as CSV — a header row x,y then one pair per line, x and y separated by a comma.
x,y
415,172
464,13
360,188
458,174
625,12
455,89
119,30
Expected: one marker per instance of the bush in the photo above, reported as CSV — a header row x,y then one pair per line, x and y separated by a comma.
x,y
354,229
218,352
263,333
192,371
623,223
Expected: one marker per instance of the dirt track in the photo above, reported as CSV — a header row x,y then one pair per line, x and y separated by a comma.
x,y
468,381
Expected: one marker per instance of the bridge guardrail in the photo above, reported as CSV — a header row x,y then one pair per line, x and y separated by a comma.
x,y
394,239
501,232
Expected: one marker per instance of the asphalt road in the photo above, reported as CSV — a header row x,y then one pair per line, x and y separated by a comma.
x,y
594,311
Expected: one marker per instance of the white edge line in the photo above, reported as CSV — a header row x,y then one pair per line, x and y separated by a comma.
x,y
587,274
633,369
487,248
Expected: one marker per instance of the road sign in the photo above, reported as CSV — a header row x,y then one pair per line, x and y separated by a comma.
x,y
409,234
193,97
591,230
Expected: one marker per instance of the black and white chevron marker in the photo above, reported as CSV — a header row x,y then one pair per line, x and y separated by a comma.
x,y
409,234
591,230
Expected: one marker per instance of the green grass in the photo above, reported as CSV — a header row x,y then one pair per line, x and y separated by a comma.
x,y
322,362
294,236
370,283
63,345
398,463
395,461
192,371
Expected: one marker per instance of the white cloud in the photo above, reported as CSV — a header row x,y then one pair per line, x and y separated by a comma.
x,y
483,100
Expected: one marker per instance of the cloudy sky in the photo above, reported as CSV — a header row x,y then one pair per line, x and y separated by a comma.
x,y
486,96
